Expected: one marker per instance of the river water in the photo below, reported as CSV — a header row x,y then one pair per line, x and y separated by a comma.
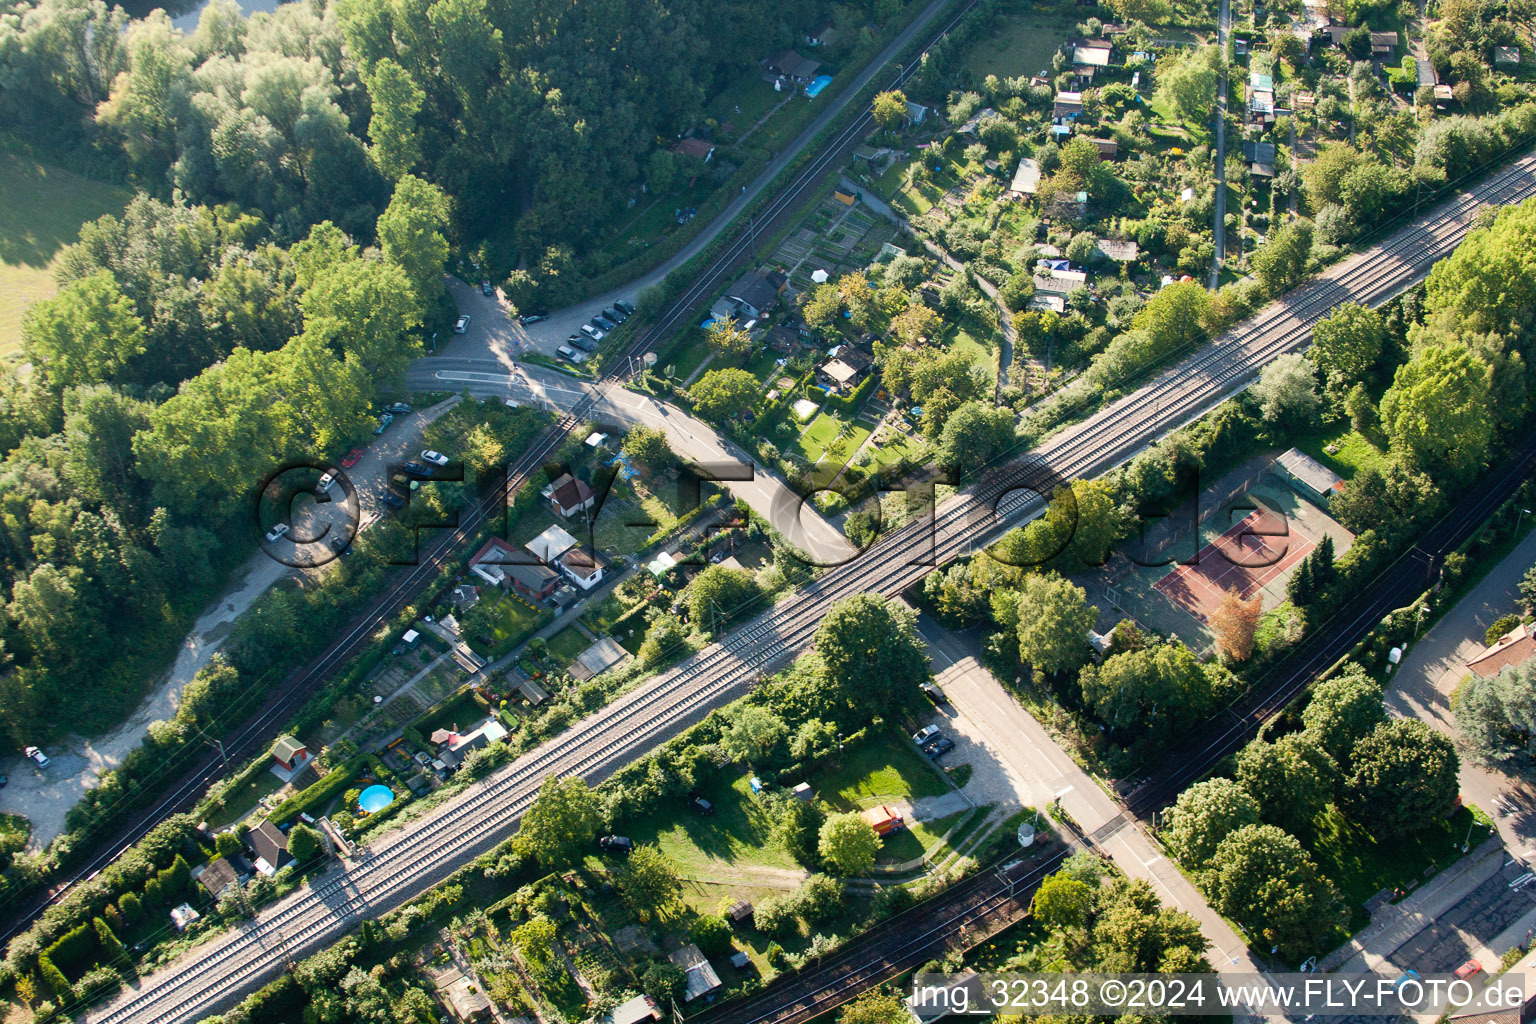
x,y
188,22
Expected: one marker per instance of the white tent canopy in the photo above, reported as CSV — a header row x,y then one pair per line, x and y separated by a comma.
x,y
819,276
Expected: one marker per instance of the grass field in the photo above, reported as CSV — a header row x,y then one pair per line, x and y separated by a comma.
x,y
1023,45
1354,453
735,838
1361,865
885,767
984,354
565,645
41,210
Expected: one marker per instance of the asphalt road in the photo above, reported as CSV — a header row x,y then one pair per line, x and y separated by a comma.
x,y
426,850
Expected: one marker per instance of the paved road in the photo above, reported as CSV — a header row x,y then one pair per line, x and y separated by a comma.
x,y
1223,30
79,761
1012,736
503,345
426,850
691,438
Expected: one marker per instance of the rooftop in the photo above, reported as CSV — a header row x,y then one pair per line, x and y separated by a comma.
x,y
551,544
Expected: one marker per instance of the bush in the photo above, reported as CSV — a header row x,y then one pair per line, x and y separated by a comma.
x,y
74,949
821,898
130,907
712,935
62,990
775,915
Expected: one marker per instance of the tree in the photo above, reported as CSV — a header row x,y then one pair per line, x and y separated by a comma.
x,y
111,945
848,844
974,436
725,394
872,655
1291,779
1235,622
663,981
1435,412
1528,589
648,882
918,322
1343,710
534,941
725,336
1054,619
821,898
1151,12
1263,879
1205,814
754,735
1489,282
1188,84
1149,693
712,934
890,108
874,1007
304,843
1287,390
565,817
1497,717
1281,262
796,827
132,910
648,447
720,595
774,915
411,235
820,306
1062,902
396,100
86,334
1404,779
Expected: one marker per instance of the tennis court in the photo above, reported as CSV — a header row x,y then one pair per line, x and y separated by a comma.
x,y
1260,548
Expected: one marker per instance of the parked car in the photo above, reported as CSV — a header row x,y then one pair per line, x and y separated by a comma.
x,y
417,469
529,319
392,499
339,542
703,806
603,322
594,333
327,479
566,352
616,844
925,735
384,422
485,288
933,693
353,457
939,748
617,316
624,307
277,533
582,342
398,408
1468,969
1403,979
433,458
461,325
37,757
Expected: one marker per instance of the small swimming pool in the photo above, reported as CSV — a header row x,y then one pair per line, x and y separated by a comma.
x,y
375,798
818,83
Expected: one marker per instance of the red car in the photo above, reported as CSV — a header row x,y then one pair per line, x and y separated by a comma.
x,y
352,459
1468,969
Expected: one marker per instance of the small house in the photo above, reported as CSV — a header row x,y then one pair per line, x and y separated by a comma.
x,y
271,848
696,149
1384,44
1092,53
1108,149
1043,301
1310,478
883,818
639,1010
537,581
1512,648
1261,158
567,496
289,753
1506,58
464,1001
459,745
548,546
699,979
1026,179
755,293
1069,105
826,35
740,912
217,876
789,64
183,916
802,792
1055,281
585,569
1119,250
783,339
604,654
916,113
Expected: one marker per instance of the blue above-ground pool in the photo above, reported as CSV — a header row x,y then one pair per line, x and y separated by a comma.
x,y
818,83
375,798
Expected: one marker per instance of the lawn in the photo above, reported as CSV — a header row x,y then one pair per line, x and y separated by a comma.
x,y
565,645
515,620
1362,866
41,210
1355,452
1022,45
730,842
884,767
457,712
822,435
744,102
985,355
919,838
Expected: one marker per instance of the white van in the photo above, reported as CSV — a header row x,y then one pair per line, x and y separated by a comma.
x,y
566,352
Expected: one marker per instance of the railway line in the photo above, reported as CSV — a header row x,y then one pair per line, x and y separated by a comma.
x,y
424,851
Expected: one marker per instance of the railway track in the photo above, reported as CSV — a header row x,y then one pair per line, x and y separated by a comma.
x,y
424,851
